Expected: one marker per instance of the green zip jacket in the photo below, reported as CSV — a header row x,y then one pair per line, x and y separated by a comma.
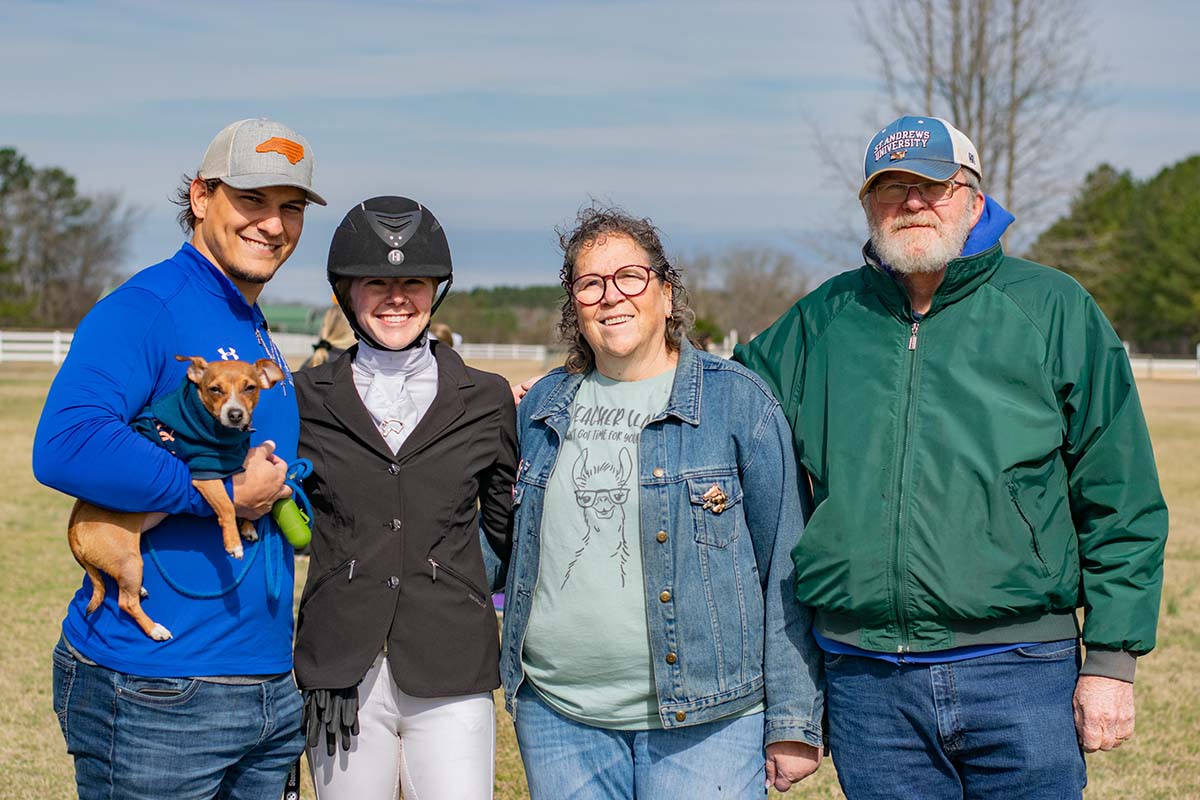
x,y
977,475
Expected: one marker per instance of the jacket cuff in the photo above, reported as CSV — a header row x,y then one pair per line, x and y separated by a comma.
x,y
793,730
1118,664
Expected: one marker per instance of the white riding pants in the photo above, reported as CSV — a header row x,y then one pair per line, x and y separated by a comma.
x,y
432,747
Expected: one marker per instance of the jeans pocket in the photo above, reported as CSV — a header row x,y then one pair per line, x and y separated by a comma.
x,y
1060,650
834,660
158,692
64,678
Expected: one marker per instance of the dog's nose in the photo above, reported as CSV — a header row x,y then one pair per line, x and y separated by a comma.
x,y
236,415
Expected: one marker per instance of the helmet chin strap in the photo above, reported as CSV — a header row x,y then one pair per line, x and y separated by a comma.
x,y
441,297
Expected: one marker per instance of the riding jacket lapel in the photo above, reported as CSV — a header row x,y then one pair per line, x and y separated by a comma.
x,y
347,407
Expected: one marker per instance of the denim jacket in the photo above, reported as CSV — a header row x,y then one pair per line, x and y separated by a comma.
x,y
725,629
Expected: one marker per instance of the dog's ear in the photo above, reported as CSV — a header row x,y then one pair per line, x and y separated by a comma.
x,y
196,370
269,373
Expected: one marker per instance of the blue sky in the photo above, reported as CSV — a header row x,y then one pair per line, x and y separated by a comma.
x,y
505,117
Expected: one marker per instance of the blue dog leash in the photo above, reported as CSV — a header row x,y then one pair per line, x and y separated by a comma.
x,y
270,539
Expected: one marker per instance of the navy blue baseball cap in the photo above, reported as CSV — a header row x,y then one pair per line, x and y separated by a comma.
x,y
926,146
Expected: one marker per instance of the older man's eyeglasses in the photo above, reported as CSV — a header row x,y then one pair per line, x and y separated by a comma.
x,y
932,192
630,280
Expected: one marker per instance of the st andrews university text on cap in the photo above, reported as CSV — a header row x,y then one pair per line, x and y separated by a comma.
x,y
927,146
256,153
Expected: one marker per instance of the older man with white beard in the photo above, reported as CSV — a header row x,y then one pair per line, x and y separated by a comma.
x,y
980,469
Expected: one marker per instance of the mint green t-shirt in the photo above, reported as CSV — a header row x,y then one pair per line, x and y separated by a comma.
x,y
587,648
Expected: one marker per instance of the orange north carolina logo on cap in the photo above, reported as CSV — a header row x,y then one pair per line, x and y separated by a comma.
x,y
292,151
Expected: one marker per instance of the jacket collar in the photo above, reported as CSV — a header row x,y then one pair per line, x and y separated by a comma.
x,y
206,275
347,407
963,276
981,255
683,402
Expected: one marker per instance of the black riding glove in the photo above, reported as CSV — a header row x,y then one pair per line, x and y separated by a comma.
x,y
334,711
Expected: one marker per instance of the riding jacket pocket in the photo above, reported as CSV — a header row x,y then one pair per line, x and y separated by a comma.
x,y
346,567
439,571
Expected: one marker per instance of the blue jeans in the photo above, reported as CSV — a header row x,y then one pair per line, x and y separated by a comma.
x,y
564,758
153,738
988,727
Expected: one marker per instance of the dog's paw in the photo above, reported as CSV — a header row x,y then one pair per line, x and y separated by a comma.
x,y
159,634
249,534
236,552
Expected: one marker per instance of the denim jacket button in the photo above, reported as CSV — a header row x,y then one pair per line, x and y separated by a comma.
x,y
671,658
680,716
659,472
393,582
393,469
661,536
665,596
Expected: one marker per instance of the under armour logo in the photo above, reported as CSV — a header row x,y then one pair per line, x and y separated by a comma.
x,y
227,354
165,434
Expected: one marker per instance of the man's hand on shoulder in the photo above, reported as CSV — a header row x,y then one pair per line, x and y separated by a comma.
x,y
519,390
1103,712
257,488
788,763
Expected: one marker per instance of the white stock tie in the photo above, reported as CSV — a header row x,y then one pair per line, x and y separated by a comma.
x,y
392,409
396,387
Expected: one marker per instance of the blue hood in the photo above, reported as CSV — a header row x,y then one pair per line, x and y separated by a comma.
x,y
989,229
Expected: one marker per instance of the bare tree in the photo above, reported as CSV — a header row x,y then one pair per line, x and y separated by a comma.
x,y
744,288
1014,75
61,249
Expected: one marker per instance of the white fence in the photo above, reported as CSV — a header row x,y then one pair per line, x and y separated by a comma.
x,y
43,346
1151,367
52,346
495,352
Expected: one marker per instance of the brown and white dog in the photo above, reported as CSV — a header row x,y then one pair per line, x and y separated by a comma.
x,y
109,541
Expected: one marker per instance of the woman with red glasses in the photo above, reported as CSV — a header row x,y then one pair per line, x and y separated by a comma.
x,y
652,646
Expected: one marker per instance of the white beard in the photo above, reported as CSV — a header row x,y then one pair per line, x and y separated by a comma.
x,y
910,250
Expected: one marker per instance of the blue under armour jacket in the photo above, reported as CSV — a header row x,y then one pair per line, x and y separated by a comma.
x,y
228,617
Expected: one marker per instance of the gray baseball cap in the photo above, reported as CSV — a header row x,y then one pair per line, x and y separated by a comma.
x,y
256,153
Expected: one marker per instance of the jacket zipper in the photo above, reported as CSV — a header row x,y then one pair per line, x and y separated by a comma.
x,y
903,453
350,562
273,353
435,565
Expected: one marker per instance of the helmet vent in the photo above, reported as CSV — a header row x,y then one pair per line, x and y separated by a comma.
x,y
394,229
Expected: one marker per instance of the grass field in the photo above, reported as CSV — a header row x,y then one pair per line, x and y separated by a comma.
x,y
39,576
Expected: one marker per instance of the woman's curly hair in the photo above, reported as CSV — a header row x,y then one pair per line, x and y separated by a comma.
x,y
593,225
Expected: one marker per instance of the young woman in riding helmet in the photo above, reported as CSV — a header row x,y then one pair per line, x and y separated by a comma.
x,y
414,456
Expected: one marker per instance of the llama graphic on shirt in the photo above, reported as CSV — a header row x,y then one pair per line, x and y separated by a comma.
x,y
601,491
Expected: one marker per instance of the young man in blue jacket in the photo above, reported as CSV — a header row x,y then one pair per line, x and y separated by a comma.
x,y
212,711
